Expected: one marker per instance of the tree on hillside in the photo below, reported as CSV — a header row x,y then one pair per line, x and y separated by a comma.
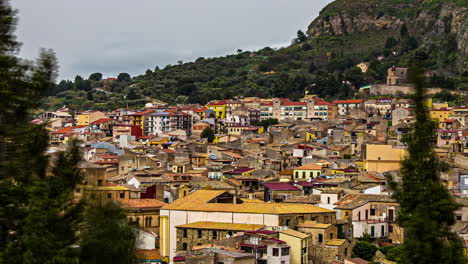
x,y
208,133
364,250
426,207
106,236
131,95
97,76
124,77
39,219
82,84
301,37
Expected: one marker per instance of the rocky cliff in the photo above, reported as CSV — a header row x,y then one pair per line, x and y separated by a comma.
x,y
427,20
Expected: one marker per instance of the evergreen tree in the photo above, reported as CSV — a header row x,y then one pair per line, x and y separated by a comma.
x,y
208,133
426,208
97,76
124,77
107,237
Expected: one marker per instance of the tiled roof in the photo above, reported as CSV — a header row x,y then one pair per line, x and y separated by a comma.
x,y
314,224
239,170
293,103
142,203
66,130
351,101
310,166
281,187
199,201
149,111
449,120
222,226
352,201
101,121
323,103
107,162
336,242
107,156
217,103
148,254
295,233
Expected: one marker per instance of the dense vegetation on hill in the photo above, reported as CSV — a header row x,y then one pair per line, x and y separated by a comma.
x,y
322,61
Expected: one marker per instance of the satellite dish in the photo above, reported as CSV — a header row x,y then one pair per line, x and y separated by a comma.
x,y
228,236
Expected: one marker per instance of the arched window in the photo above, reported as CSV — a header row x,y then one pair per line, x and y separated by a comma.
x,y
138,221
184,246
150,220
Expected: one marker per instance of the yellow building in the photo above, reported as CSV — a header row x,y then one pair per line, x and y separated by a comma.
x,y
382,158
87,117
311,135
440,115
308,171
139,119
158,141
299,243
219,107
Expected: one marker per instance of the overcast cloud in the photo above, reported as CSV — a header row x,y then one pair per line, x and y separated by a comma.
x,y
113,36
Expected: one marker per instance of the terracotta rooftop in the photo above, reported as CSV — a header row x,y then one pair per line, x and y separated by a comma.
x,y
142,203
310,166
280,186
222,226
200,201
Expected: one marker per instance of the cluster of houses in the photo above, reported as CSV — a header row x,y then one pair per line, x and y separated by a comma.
x,y
300,191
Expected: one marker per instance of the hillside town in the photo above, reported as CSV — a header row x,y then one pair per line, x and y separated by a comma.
x,y
261,180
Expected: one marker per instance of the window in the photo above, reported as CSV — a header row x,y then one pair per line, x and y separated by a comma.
x,y
303,174
372,211
276,252
459,217
297,175
215,235
288,222
346,252
328,200
390,228
346,214
184,246
331,235
285,252
109,195
200,233
122,195
311,174
320,238
184,233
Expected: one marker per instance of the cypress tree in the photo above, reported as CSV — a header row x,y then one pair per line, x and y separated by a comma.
x,y
426,207
106,236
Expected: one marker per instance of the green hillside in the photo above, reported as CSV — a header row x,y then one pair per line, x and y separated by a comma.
x,y
322,62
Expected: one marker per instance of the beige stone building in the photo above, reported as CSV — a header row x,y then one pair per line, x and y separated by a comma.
x,y
223,207
382,158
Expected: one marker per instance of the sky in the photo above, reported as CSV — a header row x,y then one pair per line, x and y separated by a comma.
x,y
114,36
